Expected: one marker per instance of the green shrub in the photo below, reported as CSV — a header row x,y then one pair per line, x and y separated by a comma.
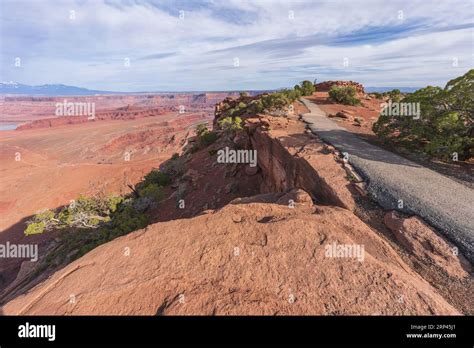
x,y
157,177
229,124
152,191
126,221
44,216
74,245
307,88
275,100
256,106
208,138
113,202
291,94
344,95
205,137
242,106
41,222
35,228
446,125
395,95
84,212
201,129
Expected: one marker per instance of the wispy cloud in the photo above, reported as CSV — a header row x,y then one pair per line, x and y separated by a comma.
x,y
134,45
158,56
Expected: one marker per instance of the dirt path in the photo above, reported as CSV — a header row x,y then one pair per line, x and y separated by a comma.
x,y
393,180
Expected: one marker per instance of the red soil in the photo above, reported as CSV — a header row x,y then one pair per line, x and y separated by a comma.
x,y
368,112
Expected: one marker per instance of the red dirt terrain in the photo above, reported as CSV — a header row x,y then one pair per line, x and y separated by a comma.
x,y
367,113
257,241
48,162
72,160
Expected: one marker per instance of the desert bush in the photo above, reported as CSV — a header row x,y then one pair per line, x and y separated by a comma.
x,y
91,221
152,191
84,212
344,95
395,95
201,129
35,228
156,177
74,245
208,138
113,203
291,94
205,137
229,124
272,101
275,101
242,105
42,222
446,123
256,106
307,88
84,228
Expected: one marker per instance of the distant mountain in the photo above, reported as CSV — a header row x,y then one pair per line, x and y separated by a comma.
x,y
63,90
47,90
386,89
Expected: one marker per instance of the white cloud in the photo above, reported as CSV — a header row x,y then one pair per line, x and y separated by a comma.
x,y
90,50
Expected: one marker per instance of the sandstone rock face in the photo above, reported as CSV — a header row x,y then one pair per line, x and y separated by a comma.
x,y
241,140
251,170
283,170
424,243
256,258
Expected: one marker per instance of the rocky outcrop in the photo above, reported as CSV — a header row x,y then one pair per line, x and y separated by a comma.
x,y
229,103
288,163
326,86
425,244
254,258
345,114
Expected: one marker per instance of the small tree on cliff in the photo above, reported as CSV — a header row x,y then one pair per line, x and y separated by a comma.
x,y
307,88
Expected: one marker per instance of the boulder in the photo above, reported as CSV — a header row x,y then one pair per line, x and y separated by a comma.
x,y
425,244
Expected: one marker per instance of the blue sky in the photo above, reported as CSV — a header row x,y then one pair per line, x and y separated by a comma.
x,y
196,45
